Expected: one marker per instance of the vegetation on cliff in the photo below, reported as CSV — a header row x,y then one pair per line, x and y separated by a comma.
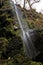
x,y
11,45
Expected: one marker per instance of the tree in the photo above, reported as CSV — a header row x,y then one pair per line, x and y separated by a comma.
x,y
24,3
30,2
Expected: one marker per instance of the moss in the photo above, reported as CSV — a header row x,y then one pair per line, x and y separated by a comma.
x,y
35,63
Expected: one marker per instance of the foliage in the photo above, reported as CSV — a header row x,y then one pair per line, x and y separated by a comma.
x,y
11,45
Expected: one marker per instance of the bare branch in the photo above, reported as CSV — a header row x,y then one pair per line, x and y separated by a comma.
x,y
35,1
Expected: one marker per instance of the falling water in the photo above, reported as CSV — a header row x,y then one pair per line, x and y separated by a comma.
x,y
29,48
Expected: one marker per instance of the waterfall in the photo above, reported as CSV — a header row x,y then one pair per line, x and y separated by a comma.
x,y
29,47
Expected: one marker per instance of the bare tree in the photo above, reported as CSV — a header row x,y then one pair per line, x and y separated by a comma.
x,y
25,1
33,2
30,2
24,4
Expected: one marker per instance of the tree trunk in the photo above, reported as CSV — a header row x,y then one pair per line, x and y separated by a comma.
x,y
24,4
29,4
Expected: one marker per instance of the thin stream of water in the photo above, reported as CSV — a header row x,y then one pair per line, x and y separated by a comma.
x,y
29,48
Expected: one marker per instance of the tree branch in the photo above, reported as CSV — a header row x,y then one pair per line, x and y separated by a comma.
x,y
35,2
